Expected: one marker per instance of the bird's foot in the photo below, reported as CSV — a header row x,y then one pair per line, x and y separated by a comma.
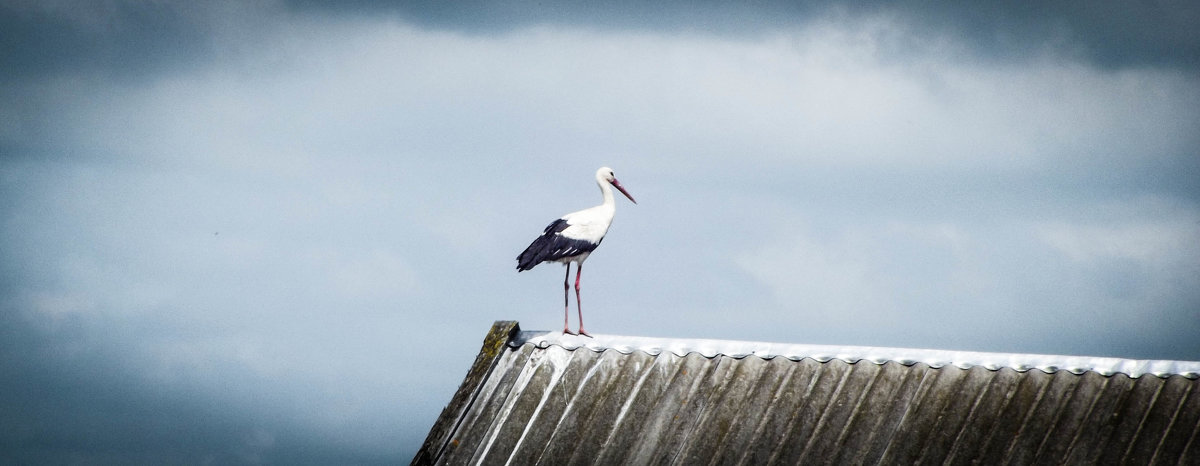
x,y
567,332
583,333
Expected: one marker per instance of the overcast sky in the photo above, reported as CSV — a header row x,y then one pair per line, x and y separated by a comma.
x,y
277,232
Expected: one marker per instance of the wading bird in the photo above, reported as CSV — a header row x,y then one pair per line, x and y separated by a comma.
x,y
572,238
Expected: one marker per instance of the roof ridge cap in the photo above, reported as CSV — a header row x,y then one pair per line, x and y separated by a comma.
x,y
1020,362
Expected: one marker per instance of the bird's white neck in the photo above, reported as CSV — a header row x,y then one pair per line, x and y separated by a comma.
x,y
606,190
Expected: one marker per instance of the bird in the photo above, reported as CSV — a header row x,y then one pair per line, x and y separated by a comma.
x,y
572,238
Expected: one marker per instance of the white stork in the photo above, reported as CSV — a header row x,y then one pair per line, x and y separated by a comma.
x,y
572,238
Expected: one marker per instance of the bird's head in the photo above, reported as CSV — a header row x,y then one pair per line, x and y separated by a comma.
x,y
606,174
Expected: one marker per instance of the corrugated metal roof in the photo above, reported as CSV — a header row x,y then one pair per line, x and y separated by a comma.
x,y
537,397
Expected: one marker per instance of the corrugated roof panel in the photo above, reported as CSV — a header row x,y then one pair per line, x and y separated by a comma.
x,y
1186,413
545,403
880,414
671,415
657,404
1071,413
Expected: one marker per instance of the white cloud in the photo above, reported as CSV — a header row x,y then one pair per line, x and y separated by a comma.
x,y
824,280
826,95
1145,243
1150,232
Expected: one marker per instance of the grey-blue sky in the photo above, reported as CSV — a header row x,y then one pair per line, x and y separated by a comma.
x,y
266,226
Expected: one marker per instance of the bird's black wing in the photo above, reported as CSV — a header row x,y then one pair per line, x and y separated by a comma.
x,y
552,245
556,226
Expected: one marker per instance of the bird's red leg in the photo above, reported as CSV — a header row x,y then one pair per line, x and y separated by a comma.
x,y
578,303
567,299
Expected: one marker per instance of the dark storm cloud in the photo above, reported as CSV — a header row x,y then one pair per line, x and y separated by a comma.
x,y
68,398
110,38
1111,34
130,38
490,17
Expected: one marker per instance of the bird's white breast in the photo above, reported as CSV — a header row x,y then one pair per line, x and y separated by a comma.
x,y
589,224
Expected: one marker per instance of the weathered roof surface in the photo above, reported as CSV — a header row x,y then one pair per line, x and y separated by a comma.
x,y
540,397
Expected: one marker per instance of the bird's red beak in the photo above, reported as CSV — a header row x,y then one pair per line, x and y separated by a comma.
x,y
620,188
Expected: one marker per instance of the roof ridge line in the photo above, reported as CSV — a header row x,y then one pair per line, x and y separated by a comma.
x,y
1020,362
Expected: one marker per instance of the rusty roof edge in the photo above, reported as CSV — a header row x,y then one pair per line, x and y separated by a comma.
x,y
501,333
1020,362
